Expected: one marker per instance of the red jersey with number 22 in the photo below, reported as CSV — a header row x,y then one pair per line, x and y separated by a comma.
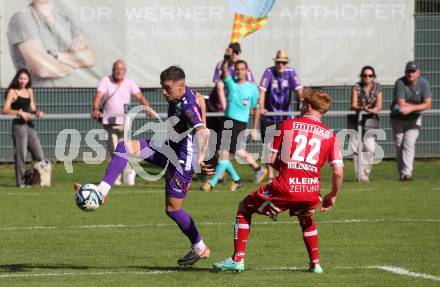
x,y
304,145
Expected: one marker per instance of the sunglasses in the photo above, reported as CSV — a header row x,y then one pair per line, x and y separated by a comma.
x,y
411,71
281,63
367,76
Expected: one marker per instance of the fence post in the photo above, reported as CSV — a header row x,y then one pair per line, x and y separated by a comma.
x,y
360,145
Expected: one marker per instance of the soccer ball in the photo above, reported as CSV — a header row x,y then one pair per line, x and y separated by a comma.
x,y
88,198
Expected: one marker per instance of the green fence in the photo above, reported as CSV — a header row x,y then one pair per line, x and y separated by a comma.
x,y
78,100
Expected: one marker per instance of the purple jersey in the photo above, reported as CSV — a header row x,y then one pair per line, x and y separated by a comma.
x,y
213,97
279,91
189,114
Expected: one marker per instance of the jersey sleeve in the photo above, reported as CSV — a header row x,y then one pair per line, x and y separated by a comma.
x,y
134,89
22,28
250,76
217,72
278,139
266,80
335,155
103,84
229,82
294,81
426,92
192,114
399,90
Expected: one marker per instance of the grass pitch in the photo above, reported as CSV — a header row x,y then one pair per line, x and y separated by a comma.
x,y
382,233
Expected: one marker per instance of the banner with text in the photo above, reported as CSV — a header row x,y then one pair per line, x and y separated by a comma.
x,y
74,43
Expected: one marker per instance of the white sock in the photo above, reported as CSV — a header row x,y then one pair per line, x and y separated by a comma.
x,y
104,188
199,246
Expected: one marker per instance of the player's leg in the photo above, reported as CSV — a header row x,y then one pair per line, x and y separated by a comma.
x,y
117,164
177,185
255,202
129,174
112,141
242,229
310,236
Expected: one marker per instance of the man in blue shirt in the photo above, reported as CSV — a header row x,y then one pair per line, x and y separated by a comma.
x,y
242,96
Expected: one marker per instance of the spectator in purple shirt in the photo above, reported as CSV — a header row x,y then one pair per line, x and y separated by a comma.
x,y
276,88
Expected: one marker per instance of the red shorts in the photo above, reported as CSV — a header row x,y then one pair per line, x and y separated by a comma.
x,y
268,201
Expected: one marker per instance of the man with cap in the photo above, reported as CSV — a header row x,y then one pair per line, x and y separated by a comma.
x,y
412,95
276,87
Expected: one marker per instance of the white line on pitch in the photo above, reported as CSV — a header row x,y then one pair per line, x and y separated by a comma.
x,y
392,269
402,271
397,270
347,221
85,273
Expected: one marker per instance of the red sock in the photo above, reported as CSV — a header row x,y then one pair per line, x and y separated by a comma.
x,y
310,236
242,228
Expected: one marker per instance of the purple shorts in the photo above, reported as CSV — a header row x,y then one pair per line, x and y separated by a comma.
x,y
176,183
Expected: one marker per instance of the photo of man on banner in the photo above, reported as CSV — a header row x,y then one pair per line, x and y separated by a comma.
x,y
48,43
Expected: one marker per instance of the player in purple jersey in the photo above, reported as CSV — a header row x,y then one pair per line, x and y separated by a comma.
x,y
182,105
276,88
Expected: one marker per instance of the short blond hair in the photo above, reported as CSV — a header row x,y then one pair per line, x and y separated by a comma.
x,y
318,100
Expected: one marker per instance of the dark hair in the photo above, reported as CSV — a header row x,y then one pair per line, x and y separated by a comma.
x,y
236,49
241,62
173,73
367,68
14,83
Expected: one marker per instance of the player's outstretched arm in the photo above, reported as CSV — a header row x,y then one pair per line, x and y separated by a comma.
x,y
201,102
337,178
202,137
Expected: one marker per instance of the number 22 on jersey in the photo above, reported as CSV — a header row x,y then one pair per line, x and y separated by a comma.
x,y
301,145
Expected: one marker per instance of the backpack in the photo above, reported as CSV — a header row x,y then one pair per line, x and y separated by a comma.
x,y
32,177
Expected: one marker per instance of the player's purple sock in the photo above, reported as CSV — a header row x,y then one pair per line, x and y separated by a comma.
x,y
117,164
186,224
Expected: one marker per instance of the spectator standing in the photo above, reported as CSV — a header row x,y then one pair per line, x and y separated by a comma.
x,y
113,96
20,102
276,88
366,96
412,95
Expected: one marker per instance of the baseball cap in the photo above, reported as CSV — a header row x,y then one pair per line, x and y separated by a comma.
x,y
411,66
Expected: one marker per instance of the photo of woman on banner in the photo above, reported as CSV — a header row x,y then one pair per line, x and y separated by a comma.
x,y
48,43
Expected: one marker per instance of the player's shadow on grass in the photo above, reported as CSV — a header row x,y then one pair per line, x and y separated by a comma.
x,y
26,267
172,268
